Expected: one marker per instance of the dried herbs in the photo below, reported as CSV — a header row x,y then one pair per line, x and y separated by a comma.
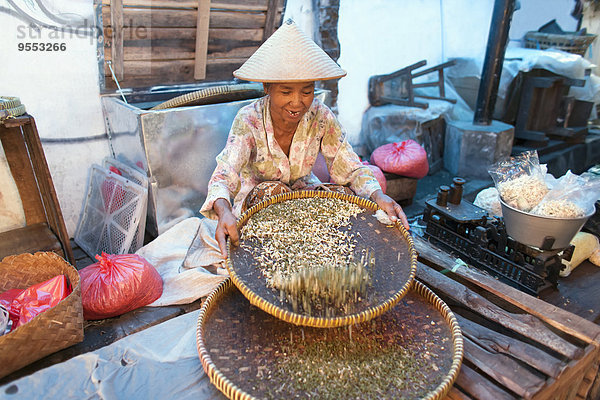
x,y
403,354
309,253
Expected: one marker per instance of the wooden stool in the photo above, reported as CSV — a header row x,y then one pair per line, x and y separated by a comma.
x,y
45,228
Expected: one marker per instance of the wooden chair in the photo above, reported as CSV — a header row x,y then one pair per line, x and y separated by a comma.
x,y
45,228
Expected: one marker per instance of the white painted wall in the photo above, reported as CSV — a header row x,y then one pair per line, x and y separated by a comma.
x,y
535,13
382,36
60,90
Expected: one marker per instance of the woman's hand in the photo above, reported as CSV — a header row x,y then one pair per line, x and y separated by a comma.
x,y
391,208
227,225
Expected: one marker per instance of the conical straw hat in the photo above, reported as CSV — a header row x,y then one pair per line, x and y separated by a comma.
x,y
289,55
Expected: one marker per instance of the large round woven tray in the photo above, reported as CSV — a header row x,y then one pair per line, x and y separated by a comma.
x,y
248,354
215,94
391,277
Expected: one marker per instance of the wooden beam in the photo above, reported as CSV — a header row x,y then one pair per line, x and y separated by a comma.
x,y
552,315
270,20
524,324
479,387
116,17
495,342
49,198
201,39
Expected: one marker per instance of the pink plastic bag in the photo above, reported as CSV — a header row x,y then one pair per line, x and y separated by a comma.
x,y
117,284
407,158
24,305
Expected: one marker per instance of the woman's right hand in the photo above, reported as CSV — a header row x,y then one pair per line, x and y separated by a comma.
x,y
226,226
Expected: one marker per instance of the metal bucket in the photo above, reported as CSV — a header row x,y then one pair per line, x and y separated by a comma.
x,y
534,230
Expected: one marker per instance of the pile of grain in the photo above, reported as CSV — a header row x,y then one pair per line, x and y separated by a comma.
x,y
524,192
302,233
558,209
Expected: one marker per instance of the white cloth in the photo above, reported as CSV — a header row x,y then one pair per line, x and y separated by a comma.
x,y
167,254
204,250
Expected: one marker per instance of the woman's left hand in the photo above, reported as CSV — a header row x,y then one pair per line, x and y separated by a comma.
x,y
391,208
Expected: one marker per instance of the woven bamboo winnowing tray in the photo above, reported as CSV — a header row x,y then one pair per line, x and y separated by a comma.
x,y
244,351
392,275
52,330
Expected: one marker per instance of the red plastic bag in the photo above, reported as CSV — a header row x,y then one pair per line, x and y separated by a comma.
x,y
117,284
378,174
407,158
25,304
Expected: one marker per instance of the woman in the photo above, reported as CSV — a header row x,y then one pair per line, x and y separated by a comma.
x,y
278,137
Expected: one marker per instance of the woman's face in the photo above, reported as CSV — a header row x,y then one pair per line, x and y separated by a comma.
x,y
290,101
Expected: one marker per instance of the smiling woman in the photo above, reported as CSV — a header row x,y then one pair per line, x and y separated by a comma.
x,y
289,103
274,142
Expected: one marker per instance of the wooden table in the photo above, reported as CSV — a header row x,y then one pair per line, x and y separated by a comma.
x,y
516,345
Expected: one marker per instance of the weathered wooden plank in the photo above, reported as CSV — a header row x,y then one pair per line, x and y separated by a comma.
x,y
237,20
201,39
140,33
116,48
560,319
505,370
527,325
270,19
594,391
165,53
253,5
45,185
173,43
496,342
479,387
570,375
184,18
571,393
177,67
214,34
29,239
588,380
176,49
144,74
17,157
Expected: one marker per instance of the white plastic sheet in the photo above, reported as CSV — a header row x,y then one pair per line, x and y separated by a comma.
x,y
160,362
466,74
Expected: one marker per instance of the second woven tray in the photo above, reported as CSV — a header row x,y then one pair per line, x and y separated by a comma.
x,y
391,276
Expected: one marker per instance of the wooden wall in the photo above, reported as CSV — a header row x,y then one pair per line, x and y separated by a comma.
x,y
152,42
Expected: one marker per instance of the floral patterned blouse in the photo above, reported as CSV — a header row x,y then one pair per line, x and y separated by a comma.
x,y
252,155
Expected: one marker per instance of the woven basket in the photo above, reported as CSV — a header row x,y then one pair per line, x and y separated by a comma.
x,y
226,314
576,44
391,281
54,329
